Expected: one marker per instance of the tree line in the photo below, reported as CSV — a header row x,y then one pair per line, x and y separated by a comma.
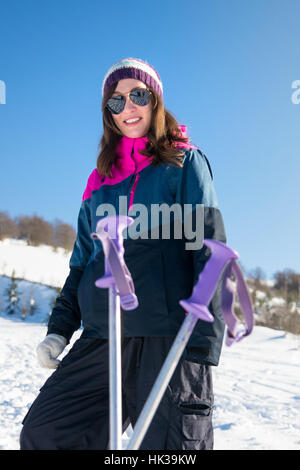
x,y
35,230
286,283
277,305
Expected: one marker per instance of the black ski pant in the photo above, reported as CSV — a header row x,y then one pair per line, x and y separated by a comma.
x,y
71,411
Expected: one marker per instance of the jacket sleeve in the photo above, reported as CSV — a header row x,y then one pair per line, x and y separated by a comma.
x,y
196,188
202,217
66,317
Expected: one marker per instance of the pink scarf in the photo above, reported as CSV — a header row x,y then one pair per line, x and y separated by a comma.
x,y
129,162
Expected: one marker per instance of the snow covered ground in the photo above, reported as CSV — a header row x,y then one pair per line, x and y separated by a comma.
x,y
257,388
257,384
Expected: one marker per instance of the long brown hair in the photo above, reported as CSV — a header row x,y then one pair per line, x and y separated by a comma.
x,y
164,136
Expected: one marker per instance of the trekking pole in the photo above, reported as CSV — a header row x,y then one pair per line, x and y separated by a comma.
x,y
115,370
197,308
121,294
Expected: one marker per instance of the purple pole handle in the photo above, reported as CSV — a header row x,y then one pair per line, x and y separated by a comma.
x,y
222,259
109,232
205,287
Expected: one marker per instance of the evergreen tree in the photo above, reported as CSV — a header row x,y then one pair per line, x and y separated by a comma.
x,y
52,302
32,305
29,306
12,296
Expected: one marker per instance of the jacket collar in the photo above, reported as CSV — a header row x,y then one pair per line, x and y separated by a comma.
x,y
129,159
128,156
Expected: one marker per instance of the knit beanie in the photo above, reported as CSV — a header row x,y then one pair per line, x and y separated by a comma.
x,y
133,68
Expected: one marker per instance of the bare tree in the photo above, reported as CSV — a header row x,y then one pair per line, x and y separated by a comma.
x,y
287,282
35,230
257,274
8,227
64,235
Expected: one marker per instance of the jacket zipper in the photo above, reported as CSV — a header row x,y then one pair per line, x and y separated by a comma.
x,y
133,181
132,191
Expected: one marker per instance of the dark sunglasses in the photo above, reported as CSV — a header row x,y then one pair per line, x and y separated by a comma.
x,y
139,96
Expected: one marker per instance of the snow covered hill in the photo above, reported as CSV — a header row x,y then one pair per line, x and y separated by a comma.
x,y
40,264
40,271
257,384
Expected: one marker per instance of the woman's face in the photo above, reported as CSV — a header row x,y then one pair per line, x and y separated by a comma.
x,y
131,110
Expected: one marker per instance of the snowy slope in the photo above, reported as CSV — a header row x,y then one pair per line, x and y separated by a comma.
x,y
39,270
37,264
257,384
257,388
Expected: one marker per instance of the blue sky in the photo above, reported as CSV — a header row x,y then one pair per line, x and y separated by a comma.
x,y
227,68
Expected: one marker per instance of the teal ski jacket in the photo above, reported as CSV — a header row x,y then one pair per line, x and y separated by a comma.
x,y
164,266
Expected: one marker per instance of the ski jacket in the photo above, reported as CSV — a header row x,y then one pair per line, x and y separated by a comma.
x,y
163,270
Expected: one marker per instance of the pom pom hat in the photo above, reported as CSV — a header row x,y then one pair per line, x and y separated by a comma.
x,y
133,68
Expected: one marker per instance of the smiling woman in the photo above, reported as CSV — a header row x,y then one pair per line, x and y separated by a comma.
x,y
164,134
135,119
145,159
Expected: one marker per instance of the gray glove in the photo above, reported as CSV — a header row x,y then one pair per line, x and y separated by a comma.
x,y
49,349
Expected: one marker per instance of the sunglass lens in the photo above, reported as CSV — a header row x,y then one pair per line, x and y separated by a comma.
x,y
116,104
140,96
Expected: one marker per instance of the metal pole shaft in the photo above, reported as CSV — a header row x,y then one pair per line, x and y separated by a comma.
x,y
162,381
115,371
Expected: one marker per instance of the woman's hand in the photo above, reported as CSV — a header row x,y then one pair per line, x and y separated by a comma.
x,y
49,349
